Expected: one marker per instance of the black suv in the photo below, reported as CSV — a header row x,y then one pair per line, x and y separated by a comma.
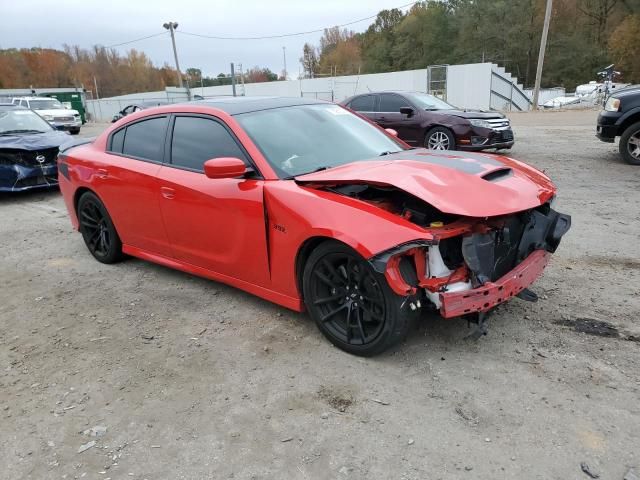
x,y
621,118
423,120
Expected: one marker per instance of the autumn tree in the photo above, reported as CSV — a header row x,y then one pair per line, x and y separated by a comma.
x,y
624,46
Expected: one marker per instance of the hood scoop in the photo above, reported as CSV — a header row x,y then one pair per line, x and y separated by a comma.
x,y
497,174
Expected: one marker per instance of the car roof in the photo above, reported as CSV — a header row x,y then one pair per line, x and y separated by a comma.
x,y
238,105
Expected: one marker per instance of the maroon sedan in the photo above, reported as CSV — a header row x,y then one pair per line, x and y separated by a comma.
x,y
426,121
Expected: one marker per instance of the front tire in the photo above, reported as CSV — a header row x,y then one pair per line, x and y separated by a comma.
x,y
74,131
97,229
351,303
440,138
630,144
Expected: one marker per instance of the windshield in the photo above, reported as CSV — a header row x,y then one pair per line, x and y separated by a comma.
x,y
45,104
22,121
429,102
306,138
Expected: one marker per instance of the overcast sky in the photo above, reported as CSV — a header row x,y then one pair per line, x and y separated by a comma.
x,y
43,23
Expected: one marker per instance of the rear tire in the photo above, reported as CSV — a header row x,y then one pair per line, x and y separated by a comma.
x,y
630,144
440,138
97,229
351,303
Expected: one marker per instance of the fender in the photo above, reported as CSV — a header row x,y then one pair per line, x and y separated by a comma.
x,y
627,115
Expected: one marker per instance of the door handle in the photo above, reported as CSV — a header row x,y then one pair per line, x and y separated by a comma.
x,y
382,118
102,173
168,193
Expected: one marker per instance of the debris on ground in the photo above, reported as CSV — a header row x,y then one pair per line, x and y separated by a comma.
x,y
588,470
381,402
96,431
86,446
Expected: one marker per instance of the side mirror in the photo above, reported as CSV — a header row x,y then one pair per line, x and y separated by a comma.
x,y
391,131
408,111
224,167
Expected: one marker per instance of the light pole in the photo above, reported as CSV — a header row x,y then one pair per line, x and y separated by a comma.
x,y
171,26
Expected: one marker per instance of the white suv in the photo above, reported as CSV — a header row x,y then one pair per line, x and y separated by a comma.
x,y
58,116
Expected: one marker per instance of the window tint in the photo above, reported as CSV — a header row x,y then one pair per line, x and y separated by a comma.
x,y
196,140
391,103
363,104
145,139
117,140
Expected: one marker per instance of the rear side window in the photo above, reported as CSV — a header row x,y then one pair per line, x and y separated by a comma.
x,y
145,139
365,103
196,140
117,141
392,103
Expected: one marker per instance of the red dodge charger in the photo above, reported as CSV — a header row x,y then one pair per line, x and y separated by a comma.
x,y
313,207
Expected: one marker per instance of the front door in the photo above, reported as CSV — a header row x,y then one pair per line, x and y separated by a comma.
x,y
216,224
389,116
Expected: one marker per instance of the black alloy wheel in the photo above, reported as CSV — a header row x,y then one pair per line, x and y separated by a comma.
x,y
97,229
351,303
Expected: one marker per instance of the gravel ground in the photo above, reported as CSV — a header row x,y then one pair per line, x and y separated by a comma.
x,y
196,380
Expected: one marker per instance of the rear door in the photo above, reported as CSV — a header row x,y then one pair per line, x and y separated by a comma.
x,y
365,105
389,116
127,184
217,224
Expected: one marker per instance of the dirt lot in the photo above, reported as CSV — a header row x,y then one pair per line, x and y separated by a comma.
x,y
196,380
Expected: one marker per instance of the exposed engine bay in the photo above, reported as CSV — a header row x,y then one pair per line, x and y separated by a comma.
x,y
496,258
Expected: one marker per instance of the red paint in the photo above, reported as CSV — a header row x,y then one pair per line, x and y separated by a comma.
x,y
493,293
248,232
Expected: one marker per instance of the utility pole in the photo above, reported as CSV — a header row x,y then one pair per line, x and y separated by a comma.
x,y
543,47
233,80
284,55
171,26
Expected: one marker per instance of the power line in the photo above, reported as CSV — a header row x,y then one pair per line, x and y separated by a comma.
x,y
136,40
319,30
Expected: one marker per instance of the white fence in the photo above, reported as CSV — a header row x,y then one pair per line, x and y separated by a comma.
x,y
467,86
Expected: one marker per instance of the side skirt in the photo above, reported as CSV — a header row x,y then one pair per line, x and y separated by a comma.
x,y
286,301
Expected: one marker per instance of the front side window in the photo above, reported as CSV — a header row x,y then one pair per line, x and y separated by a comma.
x,y
196,140
145,139
366,103
303,138
392,103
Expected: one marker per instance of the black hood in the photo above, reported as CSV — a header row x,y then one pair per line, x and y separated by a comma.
x,y
35,141
469,113
627,91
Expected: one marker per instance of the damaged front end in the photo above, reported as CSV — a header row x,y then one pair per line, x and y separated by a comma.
x,y
473,265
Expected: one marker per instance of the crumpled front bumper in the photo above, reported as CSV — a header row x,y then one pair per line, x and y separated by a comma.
x,y
16,178
481,299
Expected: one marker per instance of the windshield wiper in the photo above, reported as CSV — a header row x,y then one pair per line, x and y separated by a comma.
x,y
10,132
388,152
319,169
